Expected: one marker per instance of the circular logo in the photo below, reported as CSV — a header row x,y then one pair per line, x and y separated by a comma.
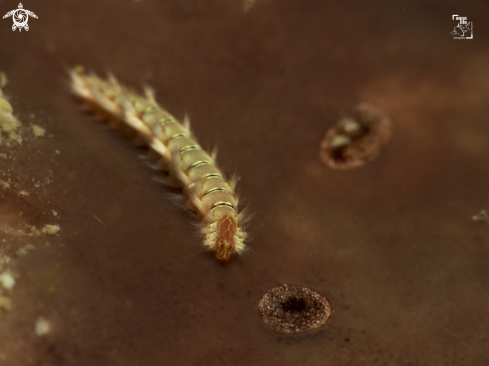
x,y
20,18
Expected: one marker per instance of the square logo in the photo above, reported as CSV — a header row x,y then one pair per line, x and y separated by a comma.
x,y
464,29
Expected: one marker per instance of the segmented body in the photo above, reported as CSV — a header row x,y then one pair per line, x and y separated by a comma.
x,y
205,186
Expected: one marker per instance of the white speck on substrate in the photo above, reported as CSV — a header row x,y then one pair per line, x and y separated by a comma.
x,y
42,326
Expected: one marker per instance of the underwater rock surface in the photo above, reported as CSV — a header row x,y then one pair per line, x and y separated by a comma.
x,y
391,244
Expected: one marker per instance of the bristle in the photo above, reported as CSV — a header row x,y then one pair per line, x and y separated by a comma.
x,y
214,152
186,121
149,92
233,182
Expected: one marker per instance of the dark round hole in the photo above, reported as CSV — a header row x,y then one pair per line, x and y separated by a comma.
x,y
294,305
293,309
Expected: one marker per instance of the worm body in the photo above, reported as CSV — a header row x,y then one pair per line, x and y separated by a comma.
x,y
207,190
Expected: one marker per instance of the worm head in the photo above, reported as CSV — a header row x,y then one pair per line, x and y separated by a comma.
x,y
226,230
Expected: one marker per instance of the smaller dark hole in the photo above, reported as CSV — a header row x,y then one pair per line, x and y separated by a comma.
x,y
338,154
356,139
347,339
294,305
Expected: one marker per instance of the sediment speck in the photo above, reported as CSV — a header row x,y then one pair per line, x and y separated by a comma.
x,y
7,280
51,229
9,125
38,131
482,216
25,250
42,326
5,303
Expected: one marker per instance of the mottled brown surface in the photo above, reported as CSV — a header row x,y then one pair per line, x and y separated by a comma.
x,y
392,244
